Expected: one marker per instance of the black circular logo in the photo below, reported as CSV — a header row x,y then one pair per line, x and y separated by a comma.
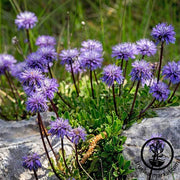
x,y
157,153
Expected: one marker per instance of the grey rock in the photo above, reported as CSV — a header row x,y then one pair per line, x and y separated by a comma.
x,y
168,126
19,138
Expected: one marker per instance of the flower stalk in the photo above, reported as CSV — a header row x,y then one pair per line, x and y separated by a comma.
x,y
114,100
28,39
177,86
160,61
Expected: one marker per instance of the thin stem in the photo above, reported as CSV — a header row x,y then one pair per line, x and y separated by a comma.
x,y
160,61
9,81
95,77
92,90
72,73
13,85
132,86
79,164
150,104
45,148
35,174
54,108
122,61
142,56
46,135
28,38
59,94
49,69
114,99
68,30
62,146
135,96
169,100
125,69
169,84
102,174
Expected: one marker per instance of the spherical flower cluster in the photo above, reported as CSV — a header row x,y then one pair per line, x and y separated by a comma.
x,y
48,88
17,69
60,128
156,144
48,54
163,32
36,103
172,72
26,20
160,91
124,51
91,60
91,45
112,73
35,60
146,47
45,40
32,162
6,62
141,71
77,134
32,77
76,65
68,56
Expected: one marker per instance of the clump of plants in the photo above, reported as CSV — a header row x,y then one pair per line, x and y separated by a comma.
x,y
93,108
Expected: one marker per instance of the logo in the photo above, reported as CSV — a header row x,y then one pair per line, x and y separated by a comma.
x,y
157,155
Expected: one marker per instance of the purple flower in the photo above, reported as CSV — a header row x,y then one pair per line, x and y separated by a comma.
x,y
32,162
112,73
45,40
172,72
149,82
141,71
76,65
68,56
49,87
146,47
26,20
37,103
36,60
77,134
6,62
32,77
91,60
124,51
163,32
17,69
156,145
48,54
160,91
60,128
91,45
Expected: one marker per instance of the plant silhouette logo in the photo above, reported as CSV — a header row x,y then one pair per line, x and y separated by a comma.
x,y
157,153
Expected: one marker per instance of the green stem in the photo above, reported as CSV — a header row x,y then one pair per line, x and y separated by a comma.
x,y
29,42
160,61
114,99
169,100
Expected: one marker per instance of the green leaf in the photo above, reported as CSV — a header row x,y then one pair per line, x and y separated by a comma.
x,y
127,164
115,174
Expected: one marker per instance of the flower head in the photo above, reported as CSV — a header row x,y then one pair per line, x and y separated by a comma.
x,y
160,91
17,69
6,62
49,87
163,32
112,73
172,72
156,145
141,71
91,59
32,77
35,60
26,20
77,134
37,103
68,56
48,53
60,128
32,162
124,51
146,47
91,45
76,65
45,40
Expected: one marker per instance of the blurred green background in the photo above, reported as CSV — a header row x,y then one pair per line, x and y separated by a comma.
x,y
108,21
